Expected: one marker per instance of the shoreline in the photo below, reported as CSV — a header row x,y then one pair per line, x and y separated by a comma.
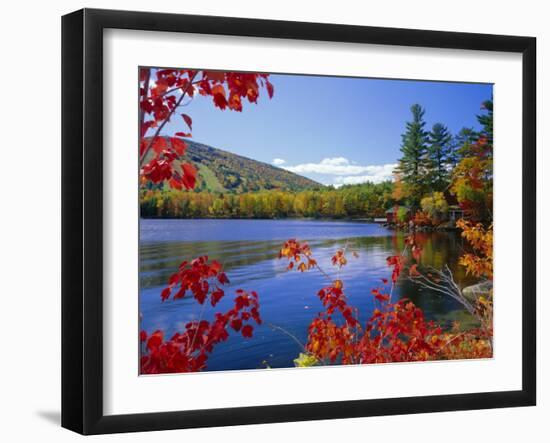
x,y
363,220
347,219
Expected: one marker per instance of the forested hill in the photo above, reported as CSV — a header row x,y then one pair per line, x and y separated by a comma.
x,y
222,171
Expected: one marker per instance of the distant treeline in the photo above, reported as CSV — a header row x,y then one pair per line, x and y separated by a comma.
x,y
436,169
364,200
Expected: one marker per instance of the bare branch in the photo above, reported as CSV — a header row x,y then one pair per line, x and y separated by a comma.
x,y
292,336
449,286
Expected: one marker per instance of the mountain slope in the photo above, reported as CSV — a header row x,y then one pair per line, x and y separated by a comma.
x,y
222,171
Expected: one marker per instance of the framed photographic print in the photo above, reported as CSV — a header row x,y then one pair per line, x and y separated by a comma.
x,y
270,221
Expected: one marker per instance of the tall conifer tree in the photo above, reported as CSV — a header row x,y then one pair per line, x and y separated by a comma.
x,y
413,165
486,121
439,151
461,145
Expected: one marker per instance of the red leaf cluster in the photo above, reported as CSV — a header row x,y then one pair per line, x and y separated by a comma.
x,y
188,351
339,259
396,262
381,297
298,254
201,277
416,253
164,166
397,333
228,89
333,299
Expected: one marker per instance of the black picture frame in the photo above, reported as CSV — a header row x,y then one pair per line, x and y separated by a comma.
x,y
82,218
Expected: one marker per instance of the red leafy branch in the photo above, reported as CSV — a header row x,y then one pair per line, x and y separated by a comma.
x,y
188,351
200,277
161,161
184,90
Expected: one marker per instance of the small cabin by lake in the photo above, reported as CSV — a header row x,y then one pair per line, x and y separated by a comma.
x,y
455,213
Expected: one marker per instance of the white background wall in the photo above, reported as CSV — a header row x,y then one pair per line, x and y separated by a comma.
x,y
30,218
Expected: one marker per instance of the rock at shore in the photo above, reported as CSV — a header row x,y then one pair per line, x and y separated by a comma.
x,y
472,293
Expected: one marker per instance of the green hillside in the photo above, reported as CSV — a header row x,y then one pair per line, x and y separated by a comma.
x,y
222,171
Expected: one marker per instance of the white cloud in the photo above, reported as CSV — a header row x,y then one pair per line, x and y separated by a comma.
x,y
374,173
335,161
278,161
349,171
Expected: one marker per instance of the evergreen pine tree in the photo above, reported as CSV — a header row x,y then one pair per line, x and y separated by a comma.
x,y
461,145
439,149
413,164
486,121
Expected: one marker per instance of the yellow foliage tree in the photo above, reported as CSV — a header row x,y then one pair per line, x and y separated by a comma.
x,y
435,205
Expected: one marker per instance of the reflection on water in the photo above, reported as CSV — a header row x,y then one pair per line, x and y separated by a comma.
x,y
248,250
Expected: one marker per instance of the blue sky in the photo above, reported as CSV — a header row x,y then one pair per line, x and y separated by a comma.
x,y
332,129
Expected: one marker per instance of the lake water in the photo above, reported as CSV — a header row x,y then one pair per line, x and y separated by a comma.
x,y
248,249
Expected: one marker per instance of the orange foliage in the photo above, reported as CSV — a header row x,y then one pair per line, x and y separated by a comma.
x,y
472,181
479,263
298,254
422,219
